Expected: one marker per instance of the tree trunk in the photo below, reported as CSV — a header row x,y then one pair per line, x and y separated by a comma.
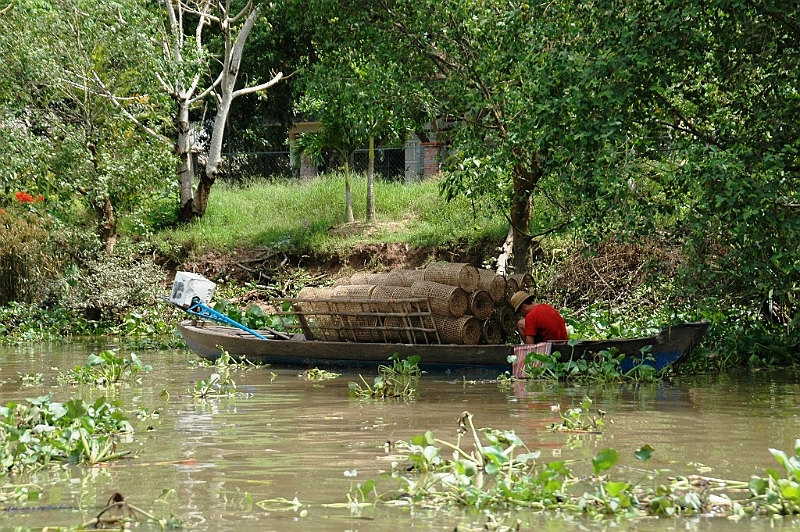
x,y
183,149
371,182
348,195
107,227
524,182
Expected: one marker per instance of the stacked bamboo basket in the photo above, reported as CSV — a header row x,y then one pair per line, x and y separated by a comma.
x,y
468,305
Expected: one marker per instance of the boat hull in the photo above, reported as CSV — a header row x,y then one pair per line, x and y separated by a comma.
x,y
207,340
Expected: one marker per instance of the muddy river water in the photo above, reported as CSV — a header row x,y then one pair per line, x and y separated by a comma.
x,y
218,460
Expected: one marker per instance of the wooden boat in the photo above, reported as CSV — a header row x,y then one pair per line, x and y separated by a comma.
x,y
669,346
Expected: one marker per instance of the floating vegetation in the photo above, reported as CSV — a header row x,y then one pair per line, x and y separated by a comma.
x,y
39,432
215,386
106,368
316,375
397,380
605,367
120,513
578,419
31,379
498,471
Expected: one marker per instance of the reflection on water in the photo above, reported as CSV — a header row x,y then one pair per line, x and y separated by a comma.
x,y
286,438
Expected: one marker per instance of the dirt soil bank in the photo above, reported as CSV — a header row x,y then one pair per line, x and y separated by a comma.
x,y
262,263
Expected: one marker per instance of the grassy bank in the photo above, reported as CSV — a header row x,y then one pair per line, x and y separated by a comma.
x,y
309,216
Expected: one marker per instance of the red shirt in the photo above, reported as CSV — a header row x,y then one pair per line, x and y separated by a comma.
x,y
544,323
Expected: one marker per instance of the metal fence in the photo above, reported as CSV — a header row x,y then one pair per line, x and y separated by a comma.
x,y
390,165
245,166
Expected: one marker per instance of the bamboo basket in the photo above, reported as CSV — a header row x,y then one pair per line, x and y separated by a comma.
x,y
385,294
353,291
402,277
454,274
465,330
368,278
507,318
322,326
492,283
524,281
512,287
444,299
492,332
408,330
480,305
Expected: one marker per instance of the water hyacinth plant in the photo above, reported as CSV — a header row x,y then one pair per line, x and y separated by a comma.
x,y
39,432
106,368
397,380
496,471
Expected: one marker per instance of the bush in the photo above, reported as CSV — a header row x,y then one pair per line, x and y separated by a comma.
x,y
28,264
108,288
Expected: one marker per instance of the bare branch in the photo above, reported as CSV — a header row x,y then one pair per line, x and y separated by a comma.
x,y
268,84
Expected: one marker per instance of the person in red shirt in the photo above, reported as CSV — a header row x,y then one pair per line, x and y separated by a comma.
x,y
541,322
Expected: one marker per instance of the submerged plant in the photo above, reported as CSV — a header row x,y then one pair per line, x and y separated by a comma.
x,y
397,380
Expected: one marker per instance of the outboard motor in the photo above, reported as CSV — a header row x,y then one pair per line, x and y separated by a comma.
x,y
192,292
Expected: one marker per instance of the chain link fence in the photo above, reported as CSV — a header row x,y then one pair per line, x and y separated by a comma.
x,y
240,167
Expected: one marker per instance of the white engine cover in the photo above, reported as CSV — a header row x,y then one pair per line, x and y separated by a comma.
x,y
189,285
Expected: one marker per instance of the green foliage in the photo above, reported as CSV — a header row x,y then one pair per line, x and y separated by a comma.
x,y
106,368
63,135
38,432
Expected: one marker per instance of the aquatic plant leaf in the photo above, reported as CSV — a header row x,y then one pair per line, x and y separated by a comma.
x,y
431,454
605,460
790,490
781,457
758,486
644,453
423,440
615,488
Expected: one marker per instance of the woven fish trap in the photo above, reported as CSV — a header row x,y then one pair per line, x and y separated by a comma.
x,y
313,292
444,299
491,332
408,330
369,278
349,298
506,317
524,281
361,329
465,330
454,274
492,283
402,277
317,312
384,294
512,287
480,305
353,291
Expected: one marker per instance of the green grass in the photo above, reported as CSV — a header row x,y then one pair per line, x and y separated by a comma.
x,y
309,215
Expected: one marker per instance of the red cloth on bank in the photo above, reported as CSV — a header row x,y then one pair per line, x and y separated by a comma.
x,y
545,324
